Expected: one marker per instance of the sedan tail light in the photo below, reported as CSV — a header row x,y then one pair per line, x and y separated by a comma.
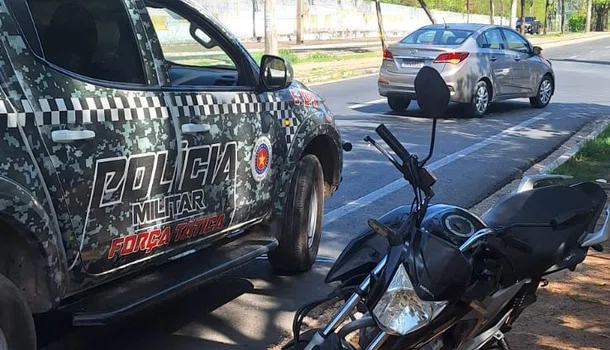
x,y
451,57
387,55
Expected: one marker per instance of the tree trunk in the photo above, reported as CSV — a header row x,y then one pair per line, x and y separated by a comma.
x,y
424,6
588,21
522,17
513,13
502,12
546,16
380,24
491,12
599,21
563,15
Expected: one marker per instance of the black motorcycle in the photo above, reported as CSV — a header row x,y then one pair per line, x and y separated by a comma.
x,y
437,277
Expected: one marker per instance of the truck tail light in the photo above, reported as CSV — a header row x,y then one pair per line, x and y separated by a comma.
x,y
451,57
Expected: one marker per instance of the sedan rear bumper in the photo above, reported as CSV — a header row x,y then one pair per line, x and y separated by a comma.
x,y
402,85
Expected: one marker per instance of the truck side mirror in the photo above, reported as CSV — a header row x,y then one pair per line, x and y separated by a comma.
x,y
276,73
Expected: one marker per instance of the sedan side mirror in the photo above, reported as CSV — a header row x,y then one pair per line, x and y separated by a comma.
x,y
276,73
537,50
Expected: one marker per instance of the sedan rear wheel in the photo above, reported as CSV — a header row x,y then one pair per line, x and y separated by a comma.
x,y
480,100
398,104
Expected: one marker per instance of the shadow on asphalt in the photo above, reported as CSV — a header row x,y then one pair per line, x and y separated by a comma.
x,y
605,63
454,110
251,308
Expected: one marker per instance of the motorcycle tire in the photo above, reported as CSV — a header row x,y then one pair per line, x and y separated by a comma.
x,y
302,222
17,329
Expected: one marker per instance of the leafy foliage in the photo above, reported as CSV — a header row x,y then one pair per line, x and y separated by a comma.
x,y
575,9
576,23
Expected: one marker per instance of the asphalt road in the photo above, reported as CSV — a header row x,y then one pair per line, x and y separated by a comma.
x,y
473,158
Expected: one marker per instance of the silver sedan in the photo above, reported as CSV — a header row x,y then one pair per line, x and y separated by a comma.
x,y
480,64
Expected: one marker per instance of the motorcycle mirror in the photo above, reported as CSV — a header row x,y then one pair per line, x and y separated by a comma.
x,y
432,93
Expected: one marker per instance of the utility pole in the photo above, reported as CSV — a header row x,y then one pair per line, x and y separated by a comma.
x,y
588,21
467,11
270,33
491,12
300,22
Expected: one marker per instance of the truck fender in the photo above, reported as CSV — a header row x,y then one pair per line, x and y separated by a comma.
x,y
309,132
30,223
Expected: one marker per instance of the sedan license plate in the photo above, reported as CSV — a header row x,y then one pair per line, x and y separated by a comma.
x,y
412,63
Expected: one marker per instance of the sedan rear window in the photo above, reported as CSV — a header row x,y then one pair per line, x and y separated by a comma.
x,y
437,36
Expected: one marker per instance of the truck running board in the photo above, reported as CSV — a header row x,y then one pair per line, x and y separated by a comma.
x,y
130,294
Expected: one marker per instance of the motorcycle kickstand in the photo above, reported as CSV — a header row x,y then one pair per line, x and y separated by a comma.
x,y
502,343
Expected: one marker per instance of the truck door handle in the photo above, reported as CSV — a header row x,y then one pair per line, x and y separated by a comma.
x,y
493,58
192,128
68,136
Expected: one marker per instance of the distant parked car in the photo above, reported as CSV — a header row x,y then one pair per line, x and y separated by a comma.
x,y
532,25
480,63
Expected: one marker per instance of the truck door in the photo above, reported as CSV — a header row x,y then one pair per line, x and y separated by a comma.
x,y
226,129
108,136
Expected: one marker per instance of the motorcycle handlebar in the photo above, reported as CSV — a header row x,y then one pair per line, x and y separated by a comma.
x,y
393,143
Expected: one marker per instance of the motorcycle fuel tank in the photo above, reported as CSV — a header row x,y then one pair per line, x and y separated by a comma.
x,y
451,223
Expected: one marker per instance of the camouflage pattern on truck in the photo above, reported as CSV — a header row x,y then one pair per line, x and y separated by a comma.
x,y
102,178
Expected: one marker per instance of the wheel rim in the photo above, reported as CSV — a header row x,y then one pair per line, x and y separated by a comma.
x,y
482,99
313,217
3,342
545,91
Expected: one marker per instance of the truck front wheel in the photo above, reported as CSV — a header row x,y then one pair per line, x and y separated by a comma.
x,y
302,223
17,330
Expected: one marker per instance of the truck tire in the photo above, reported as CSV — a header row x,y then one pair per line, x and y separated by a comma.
x,y
17,330
302,222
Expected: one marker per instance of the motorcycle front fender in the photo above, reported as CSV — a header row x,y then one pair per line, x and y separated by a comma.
x,y
363,253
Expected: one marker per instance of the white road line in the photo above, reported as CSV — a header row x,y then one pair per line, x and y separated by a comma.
x,y
400,183
571,57
342,79
366,104
593,51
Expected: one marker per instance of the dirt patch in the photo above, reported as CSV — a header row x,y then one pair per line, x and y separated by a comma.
x,y
572,312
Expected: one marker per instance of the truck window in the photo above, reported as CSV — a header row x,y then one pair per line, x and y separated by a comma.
x,y
93,38
193,56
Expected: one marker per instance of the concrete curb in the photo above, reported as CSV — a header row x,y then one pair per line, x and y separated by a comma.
x,y
569,154
564,42
561,155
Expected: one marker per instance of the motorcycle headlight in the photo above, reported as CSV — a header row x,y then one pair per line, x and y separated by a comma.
x,y
400,310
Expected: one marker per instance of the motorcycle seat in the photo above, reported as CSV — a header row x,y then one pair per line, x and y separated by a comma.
x,y
541,206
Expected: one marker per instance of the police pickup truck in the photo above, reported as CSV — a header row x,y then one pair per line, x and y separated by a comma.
x,y
129,174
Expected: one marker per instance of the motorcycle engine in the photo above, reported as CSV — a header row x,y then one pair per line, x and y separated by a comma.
x,y
451,223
